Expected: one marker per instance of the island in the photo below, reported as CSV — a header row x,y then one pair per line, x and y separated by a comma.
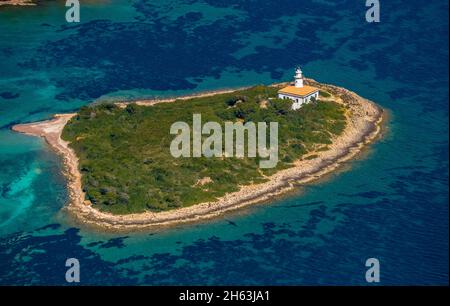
x,y
121,175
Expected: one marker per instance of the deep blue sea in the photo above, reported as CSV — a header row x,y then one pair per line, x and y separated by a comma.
x,y
390,204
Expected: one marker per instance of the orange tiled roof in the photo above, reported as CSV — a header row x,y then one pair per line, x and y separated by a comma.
x,y
298,91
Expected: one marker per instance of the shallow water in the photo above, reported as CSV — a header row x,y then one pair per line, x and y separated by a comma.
x,y
390,204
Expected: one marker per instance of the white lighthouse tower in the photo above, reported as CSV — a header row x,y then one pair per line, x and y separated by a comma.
x,y
298,78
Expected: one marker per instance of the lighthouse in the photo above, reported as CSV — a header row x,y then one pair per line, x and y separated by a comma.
x,y
299,94
298,78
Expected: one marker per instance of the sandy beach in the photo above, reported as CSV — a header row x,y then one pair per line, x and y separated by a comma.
x,y
364,123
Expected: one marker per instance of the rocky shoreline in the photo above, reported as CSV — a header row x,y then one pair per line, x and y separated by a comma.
x,y
17,2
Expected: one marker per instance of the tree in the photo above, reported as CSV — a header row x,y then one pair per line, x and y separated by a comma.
x,y
282,107
131,108
244,110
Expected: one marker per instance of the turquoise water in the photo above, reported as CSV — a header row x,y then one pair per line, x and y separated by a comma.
x,y
390,204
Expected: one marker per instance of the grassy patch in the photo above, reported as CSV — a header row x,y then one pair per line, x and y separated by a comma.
x,y
324,94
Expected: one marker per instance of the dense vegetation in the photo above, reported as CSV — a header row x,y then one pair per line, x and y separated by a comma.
x,y
126,163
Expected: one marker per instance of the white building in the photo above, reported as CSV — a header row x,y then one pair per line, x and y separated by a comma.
x,y
299,93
